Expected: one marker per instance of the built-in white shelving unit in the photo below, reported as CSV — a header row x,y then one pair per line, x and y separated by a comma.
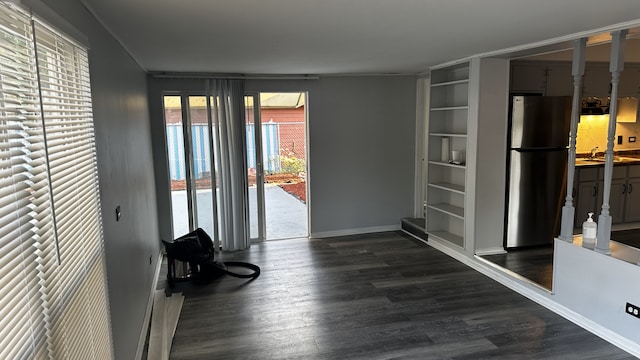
x,y
447,132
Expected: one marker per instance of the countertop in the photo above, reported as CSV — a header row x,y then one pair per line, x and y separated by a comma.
x,y
599,161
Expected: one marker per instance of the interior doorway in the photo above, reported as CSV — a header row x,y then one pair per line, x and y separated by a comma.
x,y
277,165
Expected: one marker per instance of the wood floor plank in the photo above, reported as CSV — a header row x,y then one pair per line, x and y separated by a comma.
x,y
369,296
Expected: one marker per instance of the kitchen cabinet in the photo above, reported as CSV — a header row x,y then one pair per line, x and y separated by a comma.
x,y
616,197
554,78
559,80
596,80
632,204
587,194
528,78
629,81
624,198
544,78
447,132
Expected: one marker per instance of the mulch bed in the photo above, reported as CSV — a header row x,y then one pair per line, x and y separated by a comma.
x,y
298,190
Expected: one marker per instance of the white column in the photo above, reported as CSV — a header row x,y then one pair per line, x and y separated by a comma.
x,y
616,66
568,210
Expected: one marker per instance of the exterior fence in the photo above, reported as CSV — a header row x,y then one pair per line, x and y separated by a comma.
x,y
200,146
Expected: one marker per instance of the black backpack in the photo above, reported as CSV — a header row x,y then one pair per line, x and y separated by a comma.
x,y
196,248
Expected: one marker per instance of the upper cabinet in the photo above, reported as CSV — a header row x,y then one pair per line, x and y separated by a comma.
x,y
528,78
596,81
541,78
553,78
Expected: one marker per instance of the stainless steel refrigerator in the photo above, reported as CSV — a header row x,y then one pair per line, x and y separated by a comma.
x,y
537,160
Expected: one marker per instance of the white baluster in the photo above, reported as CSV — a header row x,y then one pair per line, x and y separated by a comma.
x,y
568,210
616,66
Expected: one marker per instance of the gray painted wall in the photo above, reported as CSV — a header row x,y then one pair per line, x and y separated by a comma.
x,y
361,148
126,175
491,155
598,287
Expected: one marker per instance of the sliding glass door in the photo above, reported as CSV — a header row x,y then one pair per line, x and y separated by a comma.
x,y
276,157
275,134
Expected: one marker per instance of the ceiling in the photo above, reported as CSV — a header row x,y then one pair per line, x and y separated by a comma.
x,y
339,36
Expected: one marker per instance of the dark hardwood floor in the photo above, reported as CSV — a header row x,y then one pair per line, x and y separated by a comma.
x,y
375,296
629,237
535,263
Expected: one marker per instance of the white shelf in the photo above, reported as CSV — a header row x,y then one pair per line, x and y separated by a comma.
x,y
447,83
448,134
448,187
449,108
447,236
448,209
442,163
448,119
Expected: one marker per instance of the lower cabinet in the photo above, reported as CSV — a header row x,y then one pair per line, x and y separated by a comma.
x,y
616,199
624,198
586,199
632,204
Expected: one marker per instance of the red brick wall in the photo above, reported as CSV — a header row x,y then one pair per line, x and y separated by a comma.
x,y
292,136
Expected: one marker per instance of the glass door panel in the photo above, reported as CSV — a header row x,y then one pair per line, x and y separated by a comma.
x,y
201,160
189,137
284,150
254,171
276,157
177,169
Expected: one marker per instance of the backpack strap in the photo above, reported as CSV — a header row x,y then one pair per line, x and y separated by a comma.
x,y
255,268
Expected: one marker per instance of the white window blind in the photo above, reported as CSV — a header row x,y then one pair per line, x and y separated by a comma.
x,y
53,295
77,293
25,215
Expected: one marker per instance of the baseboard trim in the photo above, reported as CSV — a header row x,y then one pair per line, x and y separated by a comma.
x,y
491,251
147,315
542,297
375,229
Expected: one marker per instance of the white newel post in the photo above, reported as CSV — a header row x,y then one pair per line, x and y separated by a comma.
x,y
616,66
577,70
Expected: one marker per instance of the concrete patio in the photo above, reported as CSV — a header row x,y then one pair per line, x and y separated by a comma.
x,y
286,216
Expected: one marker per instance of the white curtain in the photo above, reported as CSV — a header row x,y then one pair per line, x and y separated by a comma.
x,y
227,110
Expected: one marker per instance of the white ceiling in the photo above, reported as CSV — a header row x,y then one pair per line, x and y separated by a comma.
x,y
339,36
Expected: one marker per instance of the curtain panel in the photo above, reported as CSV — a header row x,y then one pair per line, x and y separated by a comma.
x,y
227,112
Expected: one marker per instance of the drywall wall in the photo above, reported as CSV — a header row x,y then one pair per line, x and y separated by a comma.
x,y
598,287
491,155
125,172
361,148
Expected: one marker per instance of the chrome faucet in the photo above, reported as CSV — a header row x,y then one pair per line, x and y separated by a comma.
x,y
593,152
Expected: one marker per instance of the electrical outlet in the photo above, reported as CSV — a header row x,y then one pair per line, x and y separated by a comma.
x,y
632,139
633,310
619,139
